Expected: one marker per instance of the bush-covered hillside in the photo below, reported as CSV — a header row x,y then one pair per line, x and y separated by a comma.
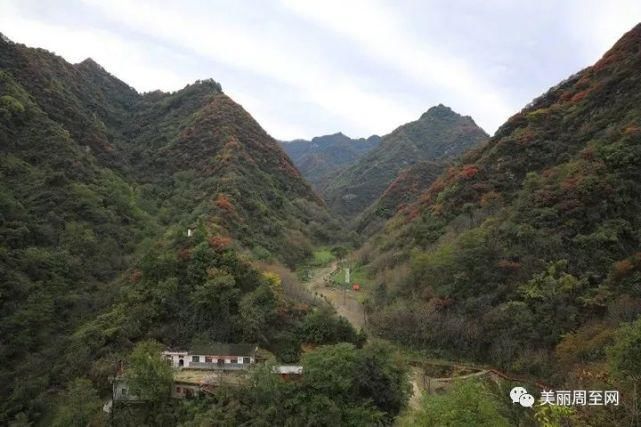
x,y
526,255
405,189
98,186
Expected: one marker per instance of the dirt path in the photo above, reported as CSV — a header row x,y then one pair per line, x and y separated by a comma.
x,y
348,306
343,301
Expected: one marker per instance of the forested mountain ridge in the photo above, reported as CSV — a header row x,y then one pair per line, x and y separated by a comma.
x,y
98,182
410,183
208,156
324,156
439,134
526,255
159,141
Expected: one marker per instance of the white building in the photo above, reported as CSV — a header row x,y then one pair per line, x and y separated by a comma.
x,y
213,356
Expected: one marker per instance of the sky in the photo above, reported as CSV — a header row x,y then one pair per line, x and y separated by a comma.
x,y
305,68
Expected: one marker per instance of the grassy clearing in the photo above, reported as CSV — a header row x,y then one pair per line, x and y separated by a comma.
x,y
322,257
357,275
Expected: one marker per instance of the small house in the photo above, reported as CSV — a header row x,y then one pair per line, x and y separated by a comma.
x,y
213,356
288,371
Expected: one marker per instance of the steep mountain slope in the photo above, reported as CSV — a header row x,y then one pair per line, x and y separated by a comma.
x,y
326,155
162,143
439,134
199,154
532,243
405,189
98,182
68,227
90,103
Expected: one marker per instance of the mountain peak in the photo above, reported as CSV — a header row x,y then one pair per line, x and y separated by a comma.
x,y
439,111
89,62
331,138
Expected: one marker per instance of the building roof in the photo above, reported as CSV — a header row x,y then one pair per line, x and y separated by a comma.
x,y
224,349
288,369
203,377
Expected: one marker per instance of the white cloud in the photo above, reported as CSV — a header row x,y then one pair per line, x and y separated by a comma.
x,y
380,32
304,68
215,38
599,24
123,57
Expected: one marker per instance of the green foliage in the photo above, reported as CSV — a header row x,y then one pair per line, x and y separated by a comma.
x,y
553,415
341,385
321,158
526,252
404,190
339,252
323,257
98,185
466,403
257,310
80,405
322,326
623,354
148,375
439,135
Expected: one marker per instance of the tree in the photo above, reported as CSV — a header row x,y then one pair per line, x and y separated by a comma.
x,y
339,252
80,405
322,326
149,377
467,403
214,301
624,361
257,311
382,377
373,376
623,355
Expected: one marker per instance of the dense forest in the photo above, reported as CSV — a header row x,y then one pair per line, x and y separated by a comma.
x,y
131,223
99,188
323,157
438,136
525,255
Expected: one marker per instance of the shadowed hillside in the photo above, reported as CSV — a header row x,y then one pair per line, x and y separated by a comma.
x,y
325,156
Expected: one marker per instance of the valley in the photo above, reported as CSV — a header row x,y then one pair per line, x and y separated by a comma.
x,y
409,279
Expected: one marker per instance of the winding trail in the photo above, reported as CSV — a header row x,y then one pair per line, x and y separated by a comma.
x,y
346,305
349,307
343,301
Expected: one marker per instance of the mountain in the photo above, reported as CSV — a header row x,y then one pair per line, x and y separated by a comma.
x,y
210,157
99,185
188,153
439,134
526,254
403,190
324,156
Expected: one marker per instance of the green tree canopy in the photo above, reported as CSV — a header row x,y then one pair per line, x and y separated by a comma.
x,y
467,403
80,405
149,377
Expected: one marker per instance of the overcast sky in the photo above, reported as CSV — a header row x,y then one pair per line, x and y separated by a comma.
x,y
305,68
